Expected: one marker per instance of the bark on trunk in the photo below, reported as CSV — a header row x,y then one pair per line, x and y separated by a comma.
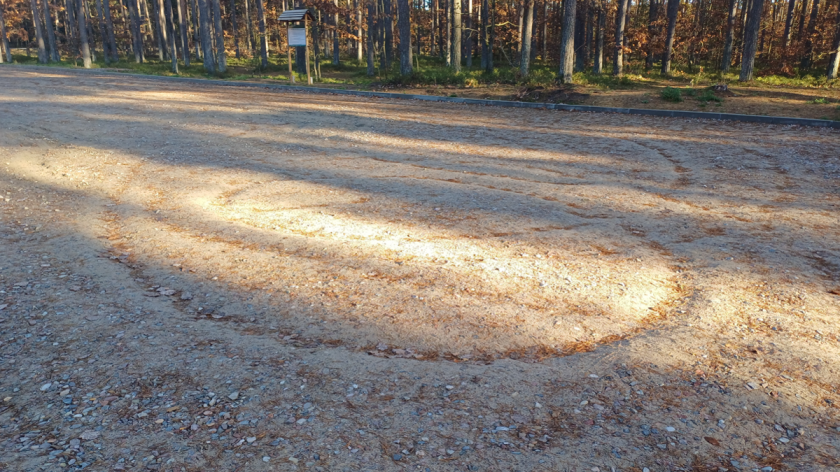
x,y
221,57
359,32
580,35
448,51
618,55
160,30
263,39
468,23
234,29
482,34
39,32
183,23
4,37
371,14
528,28
834,60
788,23
206,36
598,66
336,59
809,36
567,42
137,39
103,32
48,23
109,29
751,40
730,34
388,23
83,34
802,15
404,27
456,35
653,16
170,33
673,10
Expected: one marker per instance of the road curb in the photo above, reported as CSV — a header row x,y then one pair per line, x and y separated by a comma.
x,y
771,120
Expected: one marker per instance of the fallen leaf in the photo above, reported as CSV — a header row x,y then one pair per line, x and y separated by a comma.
x,y
712,441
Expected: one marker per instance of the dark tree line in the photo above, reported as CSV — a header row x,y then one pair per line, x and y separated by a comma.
x,y
771,36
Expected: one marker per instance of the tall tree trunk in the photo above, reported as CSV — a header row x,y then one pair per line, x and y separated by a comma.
x,y
109,29
221,57
170,33
598,67
83,34
336,59
456,35
468,34
618,56
567,42
388,22
809,35
183,24
91,36
136,38
673,11
491,17
788,23
544,51
751,40
234,31
4,37
159,28
527,31
730,34
48,24
653,17
834,60
404,28
448,33
206,36
360,33
263,39
39,32
482,32
103,32
580,35
803,14
371,18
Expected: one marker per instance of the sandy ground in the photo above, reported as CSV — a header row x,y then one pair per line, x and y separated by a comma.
x,y
211,278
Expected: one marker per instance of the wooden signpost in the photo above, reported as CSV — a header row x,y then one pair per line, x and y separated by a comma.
x,y
297,37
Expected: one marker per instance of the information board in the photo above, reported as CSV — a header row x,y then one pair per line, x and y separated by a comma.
x,y
297,37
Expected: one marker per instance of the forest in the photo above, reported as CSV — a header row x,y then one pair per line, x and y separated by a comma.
x,y
750,38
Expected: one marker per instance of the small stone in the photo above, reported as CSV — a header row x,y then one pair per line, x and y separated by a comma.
x,y
301,421
645,470
266,458
186,296
293,460
46,386
64,392
89,435
7,399
194,427
251,439
397,457
537,405
449,387
784,440
233,396
767,469
670,429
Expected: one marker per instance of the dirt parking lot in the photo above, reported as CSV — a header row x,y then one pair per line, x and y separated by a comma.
x,y
197,277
